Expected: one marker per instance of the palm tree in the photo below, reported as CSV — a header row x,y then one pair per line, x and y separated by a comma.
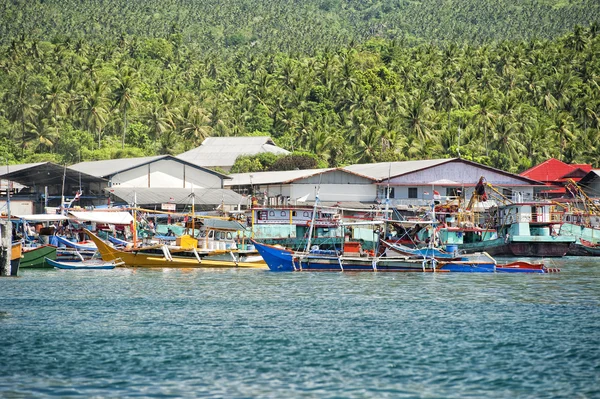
x,y
123,94
94,110
21,108
417,118
196,124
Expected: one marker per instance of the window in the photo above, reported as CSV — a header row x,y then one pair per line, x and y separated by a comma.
x,y
413,192
453,192
391,192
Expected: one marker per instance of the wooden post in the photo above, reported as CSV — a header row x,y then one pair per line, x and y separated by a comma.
x,y
6,245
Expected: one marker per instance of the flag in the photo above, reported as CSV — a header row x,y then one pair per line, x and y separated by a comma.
x,y
426,193
171,199
436,194
303,198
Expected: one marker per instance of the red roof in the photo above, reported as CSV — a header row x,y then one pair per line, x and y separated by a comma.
x,y
554,170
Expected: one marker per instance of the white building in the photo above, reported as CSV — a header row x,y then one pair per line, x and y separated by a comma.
x,y
411,183
416,182
294,186
163,171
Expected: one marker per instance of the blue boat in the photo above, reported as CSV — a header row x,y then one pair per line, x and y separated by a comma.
x,y
280,259
87,247
284,260
92,264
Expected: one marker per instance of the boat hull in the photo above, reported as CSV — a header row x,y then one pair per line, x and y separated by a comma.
x,y
81,265
36,257
138,258
530,248
284,260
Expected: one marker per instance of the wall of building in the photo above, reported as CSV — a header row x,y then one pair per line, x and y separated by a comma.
x,y
327,192
459,174
166,173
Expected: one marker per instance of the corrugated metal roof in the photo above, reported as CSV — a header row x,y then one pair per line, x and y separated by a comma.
x,y
219,224
285,176
383,170
160,195
110,167
223,151
46,174
16,168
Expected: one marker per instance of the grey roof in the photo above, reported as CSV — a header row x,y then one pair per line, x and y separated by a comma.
x,y
46,173
110,167
590,177
286,176
223,151
159,195
219,224
16,168
383,170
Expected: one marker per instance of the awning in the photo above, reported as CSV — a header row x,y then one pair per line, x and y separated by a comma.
x,y
42,217
103,217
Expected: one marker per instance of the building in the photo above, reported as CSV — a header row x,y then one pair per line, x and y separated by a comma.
x,y
555,174
416,183
590,183
164,171
164,181
221,152
45,185
409,183
295,187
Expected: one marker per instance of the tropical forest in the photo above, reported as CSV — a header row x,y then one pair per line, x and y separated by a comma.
x,y
507,83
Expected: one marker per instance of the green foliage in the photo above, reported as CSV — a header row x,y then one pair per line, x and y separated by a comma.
x,y
298,160
514,103
246,164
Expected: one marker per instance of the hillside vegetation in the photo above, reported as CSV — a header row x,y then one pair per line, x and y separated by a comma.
x,y
300,25
160,86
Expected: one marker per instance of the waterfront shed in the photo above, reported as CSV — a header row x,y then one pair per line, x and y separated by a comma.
x,y
164,171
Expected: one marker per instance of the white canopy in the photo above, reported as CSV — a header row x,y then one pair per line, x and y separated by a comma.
x,y
43,217
103,217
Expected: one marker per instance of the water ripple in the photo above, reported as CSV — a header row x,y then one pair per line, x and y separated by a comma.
x,y
250,333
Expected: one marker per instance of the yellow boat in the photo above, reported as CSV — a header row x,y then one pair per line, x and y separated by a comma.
x,y
162,256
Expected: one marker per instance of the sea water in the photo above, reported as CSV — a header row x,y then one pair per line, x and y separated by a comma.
x,y
159,333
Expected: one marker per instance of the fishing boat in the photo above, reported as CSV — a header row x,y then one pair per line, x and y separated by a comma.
x,y
15,258
92,264
165,256
35,257
589,247
281,259
285,260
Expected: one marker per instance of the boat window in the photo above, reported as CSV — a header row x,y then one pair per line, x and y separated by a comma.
x,y
283,213
413,192
229,236
305,214
271,213
293,213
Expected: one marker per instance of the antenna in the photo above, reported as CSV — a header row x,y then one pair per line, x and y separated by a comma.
x,y
458,146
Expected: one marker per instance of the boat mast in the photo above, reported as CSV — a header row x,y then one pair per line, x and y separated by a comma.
x,y
312,220
134,222
62,194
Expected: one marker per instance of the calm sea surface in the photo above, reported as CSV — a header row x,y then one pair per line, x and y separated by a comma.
x,y
255,334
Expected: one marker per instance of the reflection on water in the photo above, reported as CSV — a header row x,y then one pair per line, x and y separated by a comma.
x,y
252,333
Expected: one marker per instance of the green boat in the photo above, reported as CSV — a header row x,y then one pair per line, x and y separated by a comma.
x,y
36,257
